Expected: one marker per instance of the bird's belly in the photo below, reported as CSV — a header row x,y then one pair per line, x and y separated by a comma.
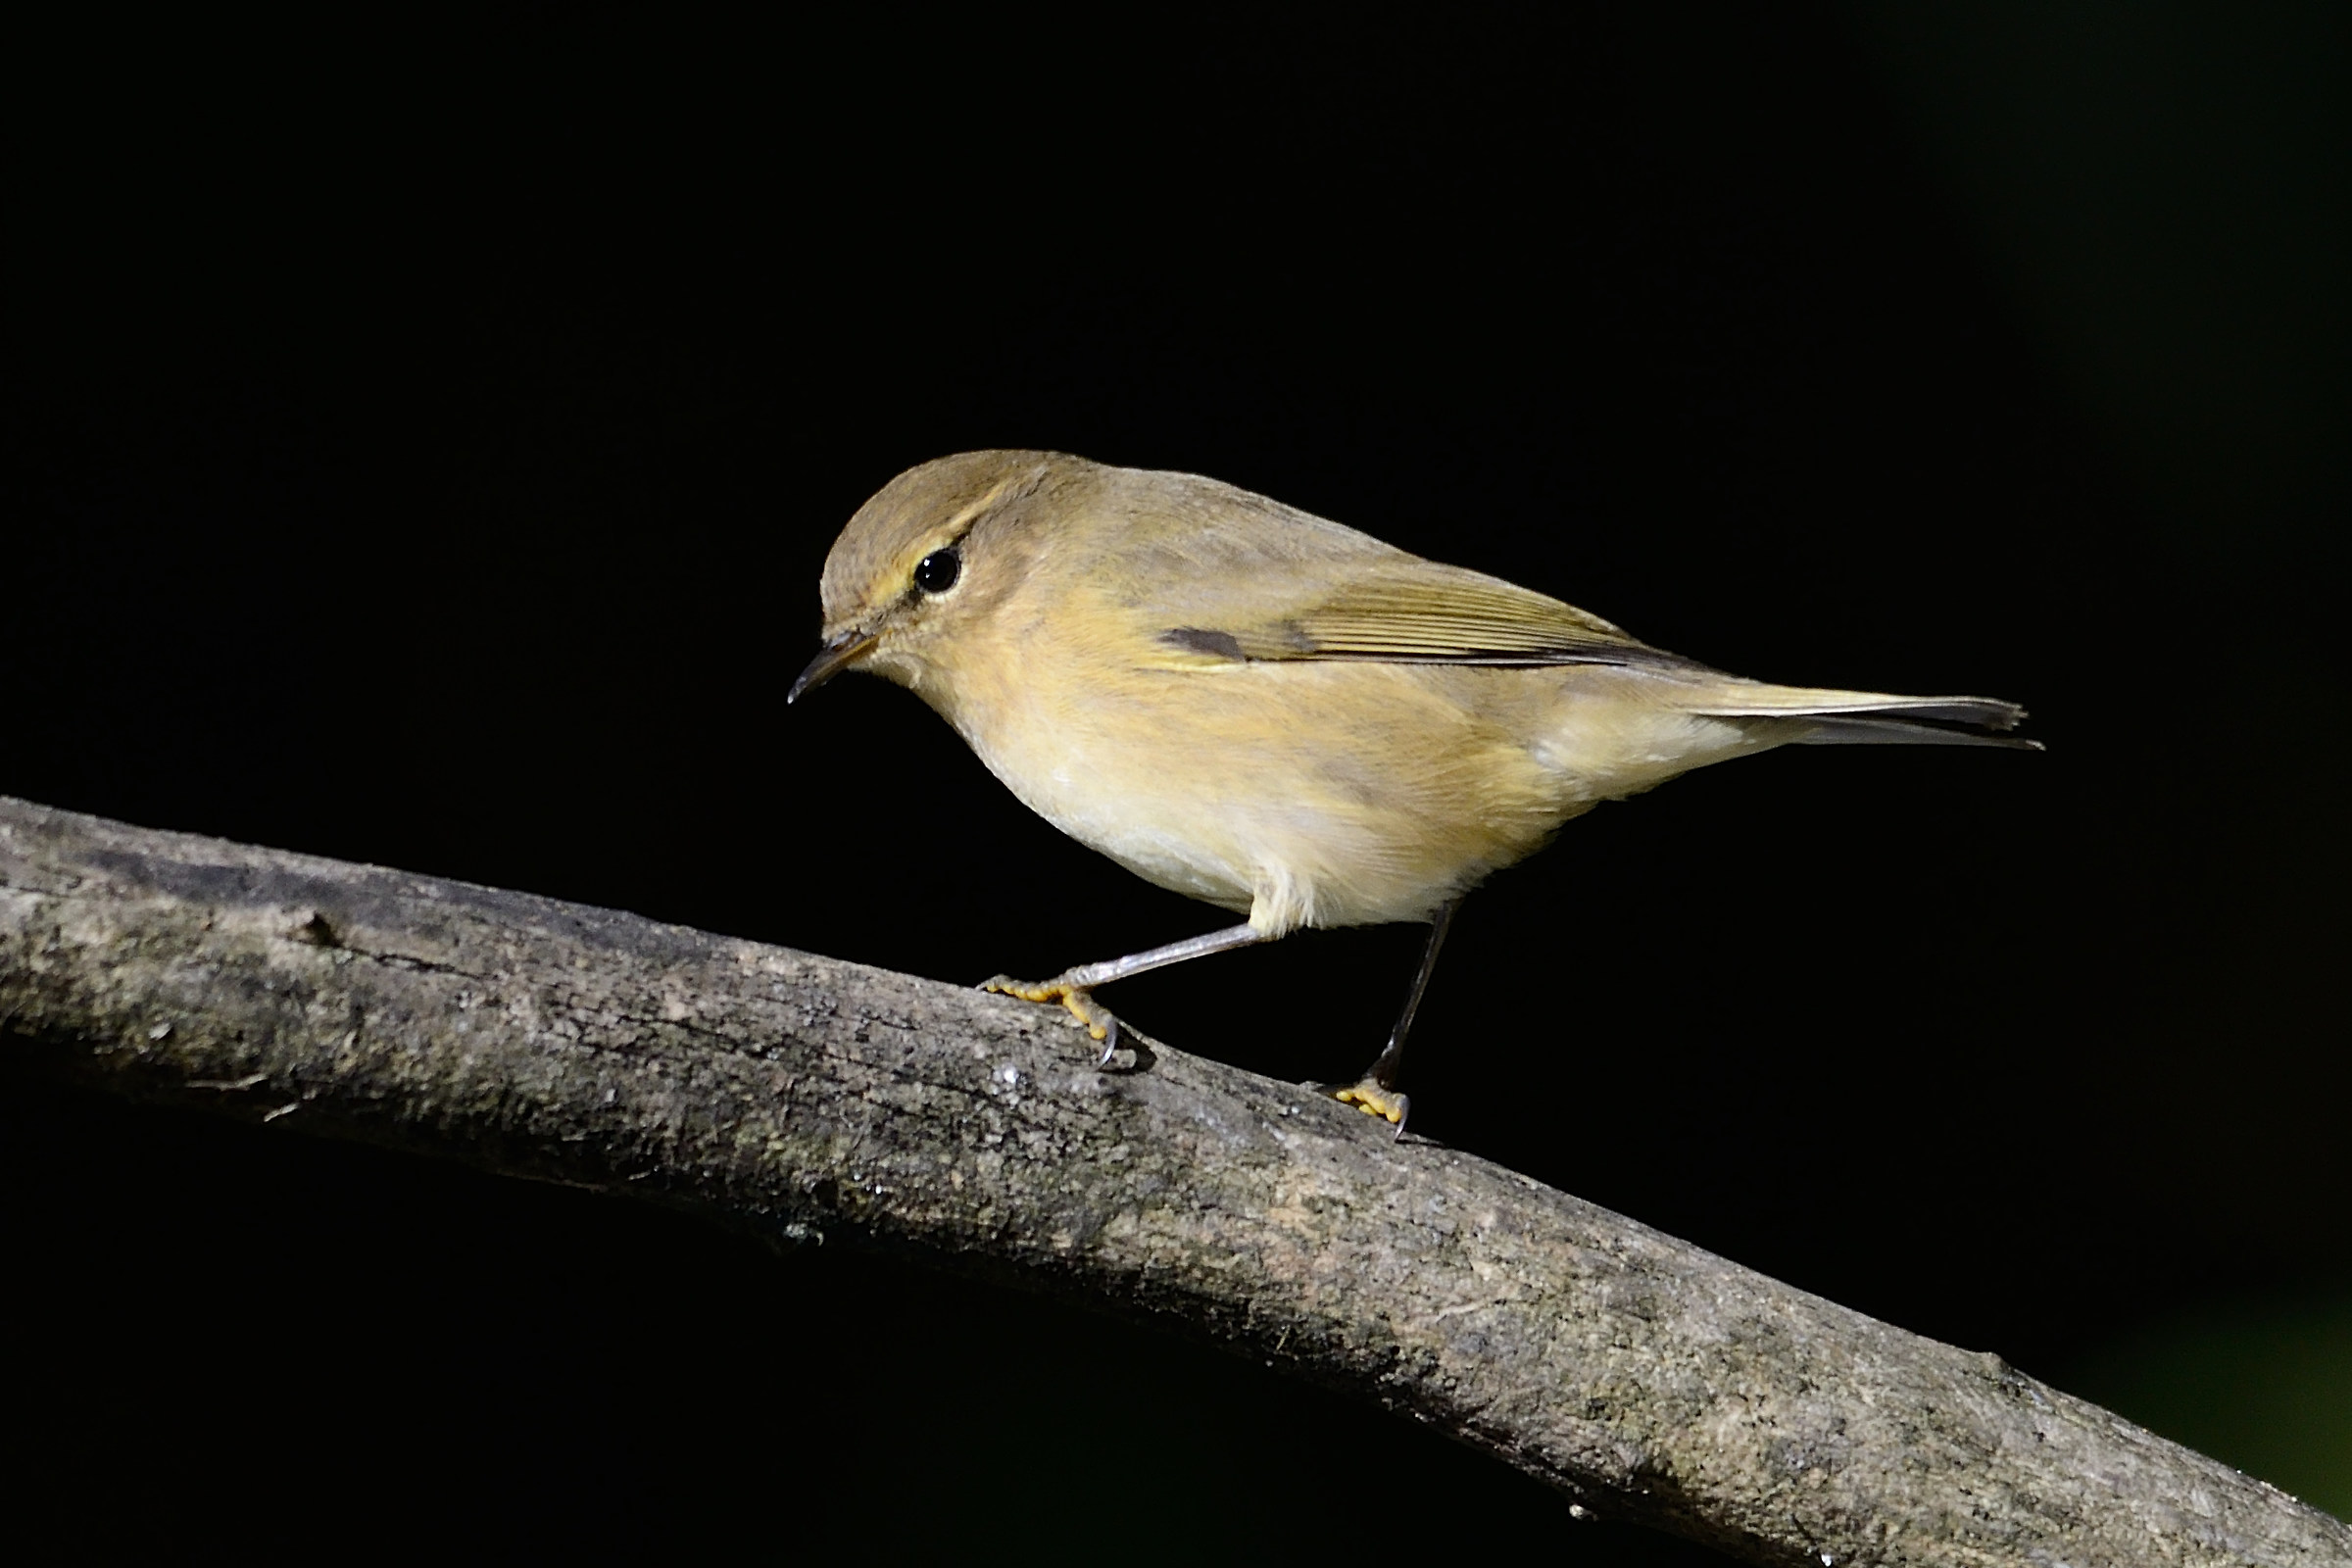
x,y
1171,844
1258,795
1174,838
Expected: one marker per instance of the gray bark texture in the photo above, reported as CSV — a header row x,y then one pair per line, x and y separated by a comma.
x,y
808,1098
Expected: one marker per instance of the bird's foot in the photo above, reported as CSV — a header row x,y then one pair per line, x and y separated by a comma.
x,y
1080,999
1376,1098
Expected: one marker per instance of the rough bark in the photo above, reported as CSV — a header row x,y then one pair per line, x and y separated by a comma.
x,y
806,1097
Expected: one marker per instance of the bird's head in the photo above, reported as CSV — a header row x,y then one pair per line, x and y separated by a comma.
x,y
926,562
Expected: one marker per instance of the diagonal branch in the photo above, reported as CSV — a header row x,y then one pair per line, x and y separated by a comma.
x,y
794,1094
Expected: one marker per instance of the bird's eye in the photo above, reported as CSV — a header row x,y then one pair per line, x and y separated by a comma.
x,y
937,571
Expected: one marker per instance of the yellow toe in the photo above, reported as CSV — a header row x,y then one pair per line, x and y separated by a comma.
x,y
1078,999
1374,1101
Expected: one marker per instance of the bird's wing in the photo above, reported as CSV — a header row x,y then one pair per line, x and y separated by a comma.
x,y
1402,609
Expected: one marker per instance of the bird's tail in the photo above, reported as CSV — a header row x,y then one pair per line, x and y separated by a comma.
x,y
1870,718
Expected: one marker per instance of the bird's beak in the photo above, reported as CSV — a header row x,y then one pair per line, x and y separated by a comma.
x,y
834,657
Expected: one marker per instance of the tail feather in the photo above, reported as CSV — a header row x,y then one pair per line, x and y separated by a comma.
x,y
1838,731
1874,718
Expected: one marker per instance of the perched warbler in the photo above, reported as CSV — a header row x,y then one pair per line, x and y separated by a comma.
x,y
1277,714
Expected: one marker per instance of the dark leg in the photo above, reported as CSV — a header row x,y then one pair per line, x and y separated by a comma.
x,y
1377,1093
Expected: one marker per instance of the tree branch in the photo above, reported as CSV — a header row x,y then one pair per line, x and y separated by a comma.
x,y
803,1096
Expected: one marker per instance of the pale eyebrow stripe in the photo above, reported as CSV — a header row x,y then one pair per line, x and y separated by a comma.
x,y
955,523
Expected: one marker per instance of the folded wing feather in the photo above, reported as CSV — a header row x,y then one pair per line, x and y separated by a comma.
x,y
1410,611
1417,612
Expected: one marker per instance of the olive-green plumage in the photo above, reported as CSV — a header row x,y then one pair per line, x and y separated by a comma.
x,y
1270,711
1273,713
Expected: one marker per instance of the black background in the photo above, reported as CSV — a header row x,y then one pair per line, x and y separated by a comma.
x,y
421,447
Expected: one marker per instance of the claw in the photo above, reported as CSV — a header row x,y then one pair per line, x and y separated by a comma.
x,y
1375,1099
1111,1041
1098,1020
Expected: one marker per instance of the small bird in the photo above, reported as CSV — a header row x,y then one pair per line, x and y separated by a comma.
x,y
1277,714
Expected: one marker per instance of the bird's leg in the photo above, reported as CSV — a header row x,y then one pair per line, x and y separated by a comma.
x,y
1377,1093
1074,988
